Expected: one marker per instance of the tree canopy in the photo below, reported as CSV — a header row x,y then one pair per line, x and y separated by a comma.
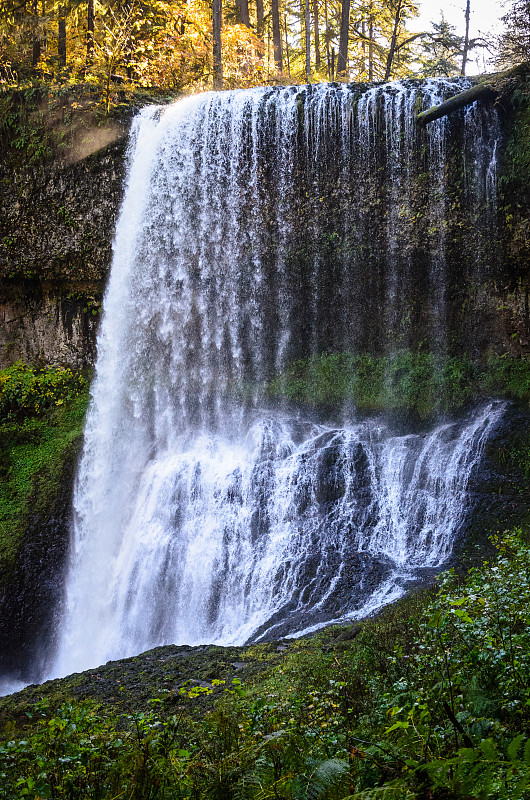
x,y
514,42
190,45
169,43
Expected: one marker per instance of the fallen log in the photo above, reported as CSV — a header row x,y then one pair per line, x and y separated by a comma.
x,y
481,91
487,89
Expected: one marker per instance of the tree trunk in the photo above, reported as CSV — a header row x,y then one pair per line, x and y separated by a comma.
x,y
332,63
487,89
287,46
129,70
44,41
61,36
482,91
342,60
276,35
317,36
307,42
35,58
466,39
217,21
363,45
268,51
393,41
371,47
243,12
260,16
328,56
90,24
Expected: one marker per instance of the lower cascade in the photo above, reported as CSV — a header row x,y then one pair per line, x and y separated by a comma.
x,y
251,236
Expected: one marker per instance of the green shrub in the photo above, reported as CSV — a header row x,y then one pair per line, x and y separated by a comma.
x,y
430,700
27,391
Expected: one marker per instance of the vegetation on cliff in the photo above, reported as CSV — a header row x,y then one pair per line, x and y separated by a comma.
x,y
41,421
43,123
514,183
428,700
418,382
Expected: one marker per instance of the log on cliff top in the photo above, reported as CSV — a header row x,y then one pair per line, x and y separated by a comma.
x,y
487,89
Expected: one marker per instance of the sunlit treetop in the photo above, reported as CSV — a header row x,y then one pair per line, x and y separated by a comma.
x,y
168,45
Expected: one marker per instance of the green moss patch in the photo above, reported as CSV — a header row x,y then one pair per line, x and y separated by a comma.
x,y
417,382
43,415
42,123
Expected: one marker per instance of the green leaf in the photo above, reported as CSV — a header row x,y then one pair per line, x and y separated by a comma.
x,y
526,753
398,725
514,747
463,615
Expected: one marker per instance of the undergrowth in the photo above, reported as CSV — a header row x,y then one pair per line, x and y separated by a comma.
x,y
26,391
430,701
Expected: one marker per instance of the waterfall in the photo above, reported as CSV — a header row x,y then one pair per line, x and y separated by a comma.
x,y
259,227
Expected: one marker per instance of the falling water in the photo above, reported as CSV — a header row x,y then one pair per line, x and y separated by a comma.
x,y
259,227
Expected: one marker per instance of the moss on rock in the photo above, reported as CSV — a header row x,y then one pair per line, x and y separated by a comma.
x,y
419,383
37,459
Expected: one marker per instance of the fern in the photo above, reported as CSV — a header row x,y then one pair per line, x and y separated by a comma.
x,y
323,776
526,753
255,782
383,793
515,746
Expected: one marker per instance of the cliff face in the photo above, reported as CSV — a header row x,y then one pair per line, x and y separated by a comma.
x,y
61,173
61,176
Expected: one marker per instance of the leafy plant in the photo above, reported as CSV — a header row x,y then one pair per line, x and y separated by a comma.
x,y
428,700
43,415
26,391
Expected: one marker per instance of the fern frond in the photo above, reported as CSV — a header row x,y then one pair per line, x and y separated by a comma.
x,y
383,793
514,747
256,780
526,753
322,777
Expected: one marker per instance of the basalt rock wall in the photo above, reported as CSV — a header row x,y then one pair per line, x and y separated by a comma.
x,y
61,175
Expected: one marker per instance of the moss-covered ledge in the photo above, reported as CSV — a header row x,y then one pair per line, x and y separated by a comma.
x,y
419,384
40,438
